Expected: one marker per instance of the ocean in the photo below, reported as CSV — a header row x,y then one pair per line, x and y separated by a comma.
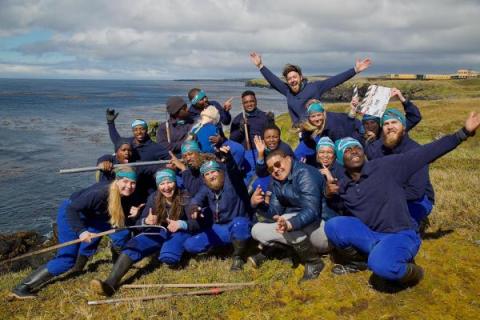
x,y
48,125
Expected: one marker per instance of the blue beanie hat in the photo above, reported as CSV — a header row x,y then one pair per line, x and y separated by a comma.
x,y
139,122
190,146
315,107
165,174
199,96
342,144
367,117
393,114
325,142
208,166
123,172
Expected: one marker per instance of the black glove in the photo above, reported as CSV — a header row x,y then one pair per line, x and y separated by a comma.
x,y
111,115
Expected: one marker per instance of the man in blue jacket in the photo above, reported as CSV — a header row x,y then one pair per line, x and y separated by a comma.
x,y
377,225
255,119
298,90
296,208
143,147
395,140
226,196
172,133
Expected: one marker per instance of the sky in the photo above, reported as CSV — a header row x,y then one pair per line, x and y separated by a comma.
x,y
182,39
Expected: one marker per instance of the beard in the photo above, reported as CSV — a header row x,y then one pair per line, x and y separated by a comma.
x,y
217,183
392,139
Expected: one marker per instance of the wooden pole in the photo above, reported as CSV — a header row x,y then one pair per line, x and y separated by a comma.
x,y
58,246
213,291
189,285
247,135
132,164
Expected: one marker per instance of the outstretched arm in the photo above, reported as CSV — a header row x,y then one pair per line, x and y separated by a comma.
x,y
412,113
327,84
272,79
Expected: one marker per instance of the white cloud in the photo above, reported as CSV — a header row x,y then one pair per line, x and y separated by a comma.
x,y
212,38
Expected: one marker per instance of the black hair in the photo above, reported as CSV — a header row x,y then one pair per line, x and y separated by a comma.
x,y
248,93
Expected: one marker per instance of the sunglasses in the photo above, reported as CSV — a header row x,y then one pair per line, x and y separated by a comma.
x,y
276,164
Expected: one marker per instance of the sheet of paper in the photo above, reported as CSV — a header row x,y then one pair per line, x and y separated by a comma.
x,y
375,101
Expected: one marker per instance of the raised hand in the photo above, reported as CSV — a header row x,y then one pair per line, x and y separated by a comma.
x,y
151,219
106,166
227,105
111,115
473,122
134,211
256,59
176,162
361,65
397,93
260,146
257,197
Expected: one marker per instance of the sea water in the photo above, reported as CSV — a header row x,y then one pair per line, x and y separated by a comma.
x,y
48,125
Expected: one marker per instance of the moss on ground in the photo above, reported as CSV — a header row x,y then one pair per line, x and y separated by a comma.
x,y
450,256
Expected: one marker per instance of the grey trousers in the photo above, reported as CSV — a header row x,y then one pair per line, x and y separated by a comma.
x,y
266,234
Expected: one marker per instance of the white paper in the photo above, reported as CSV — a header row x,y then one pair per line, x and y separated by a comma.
x,y
375,101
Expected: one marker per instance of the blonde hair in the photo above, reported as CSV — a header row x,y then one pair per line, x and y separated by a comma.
x,y
307,126
115,209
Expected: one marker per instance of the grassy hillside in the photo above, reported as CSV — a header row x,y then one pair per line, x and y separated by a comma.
x,y
450,256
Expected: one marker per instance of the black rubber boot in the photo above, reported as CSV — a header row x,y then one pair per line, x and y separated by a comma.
x,y
413,275
109,286
348,260
239,248
276,250
310,258
79,264
27,288
116,251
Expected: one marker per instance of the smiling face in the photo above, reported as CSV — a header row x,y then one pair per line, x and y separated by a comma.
x,y
214,179
371,126
325,156
139,134
393,132
124,153
272,139
167,188
317,118
279,167
249,103
294,81
126,186
192,159
353,157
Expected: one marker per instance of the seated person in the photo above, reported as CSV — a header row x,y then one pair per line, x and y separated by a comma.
x,y
296,208
123,154
227,198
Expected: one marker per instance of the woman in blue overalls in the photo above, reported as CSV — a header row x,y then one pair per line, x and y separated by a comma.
x,y
97,208
169,228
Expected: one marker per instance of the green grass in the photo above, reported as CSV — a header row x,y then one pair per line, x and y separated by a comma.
x,y
451,259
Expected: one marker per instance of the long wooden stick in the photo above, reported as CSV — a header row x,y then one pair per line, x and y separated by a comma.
x,y
132,164
247,135
189,285
58,246
214,291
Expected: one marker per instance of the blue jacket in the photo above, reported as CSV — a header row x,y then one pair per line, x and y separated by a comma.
x,y
412,118
91,204
145,151
301,193
232,201
419,183
103,176
192,180
378,197
225,117
178,134
261,166
310,90
257,120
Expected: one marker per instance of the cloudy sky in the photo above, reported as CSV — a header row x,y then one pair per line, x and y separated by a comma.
x,y
161,39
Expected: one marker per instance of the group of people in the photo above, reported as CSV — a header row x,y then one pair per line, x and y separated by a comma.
x,y
356,187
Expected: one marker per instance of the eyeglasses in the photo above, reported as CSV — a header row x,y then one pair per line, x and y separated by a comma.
x,y
276,164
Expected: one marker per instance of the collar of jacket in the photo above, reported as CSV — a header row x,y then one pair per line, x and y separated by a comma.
x,y
252,114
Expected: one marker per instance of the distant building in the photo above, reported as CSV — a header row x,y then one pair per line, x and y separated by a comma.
x,y
461,74
467,73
